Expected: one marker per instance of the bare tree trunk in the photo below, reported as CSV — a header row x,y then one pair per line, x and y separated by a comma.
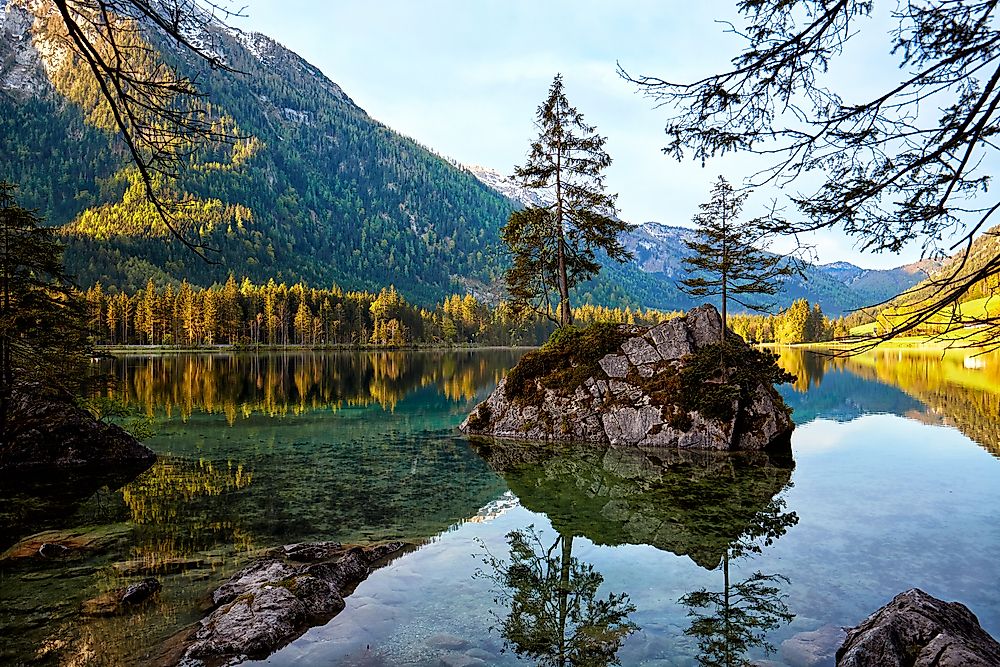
x,y
725,285
565,313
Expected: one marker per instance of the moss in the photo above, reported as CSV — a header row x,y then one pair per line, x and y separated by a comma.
x,y
709,382
480,419
705,388
569,357
701,386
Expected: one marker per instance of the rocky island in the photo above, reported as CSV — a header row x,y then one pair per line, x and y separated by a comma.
x,y
677,384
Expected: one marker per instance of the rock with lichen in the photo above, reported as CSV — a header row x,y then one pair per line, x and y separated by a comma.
x,y
671,385
918,630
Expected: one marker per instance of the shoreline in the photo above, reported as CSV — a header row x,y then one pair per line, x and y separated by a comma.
x,y
153,350
909,343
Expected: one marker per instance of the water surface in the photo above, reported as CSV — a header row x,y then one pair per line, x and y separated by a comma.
x,y
894,483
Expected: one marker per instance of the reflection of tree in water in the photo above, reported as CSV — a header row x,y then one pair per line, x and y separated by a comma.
x,y
690,503
555,615
178,507
710,506
808,368
731,622
278,384
957,388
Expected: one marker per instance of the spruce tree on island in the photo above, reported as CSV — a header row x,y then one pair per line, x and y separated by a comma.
x,y
730,258
554,245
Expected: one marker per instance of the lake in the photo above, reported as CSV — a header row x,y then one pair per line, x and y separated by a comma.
x,y
894,482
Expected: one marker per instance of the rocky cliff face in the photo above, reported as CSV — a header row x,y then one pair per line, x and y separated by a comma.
x,y
651,389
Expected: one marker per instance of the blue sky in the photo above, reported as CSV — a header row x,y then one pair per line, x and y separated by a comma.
x,y
465,78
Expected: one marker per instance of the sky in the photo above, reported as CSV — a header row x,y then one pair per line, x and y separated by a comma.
x,y
465,77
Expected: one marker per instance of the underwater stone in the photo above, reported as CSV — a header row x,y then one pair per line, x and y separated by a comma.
x,y
271,602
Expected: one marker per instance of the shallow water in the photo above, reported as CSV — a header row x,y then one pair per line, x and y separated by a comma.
x,y
895,483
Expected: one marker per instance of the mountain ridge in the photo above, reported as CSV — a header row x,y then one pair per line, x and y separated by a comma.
x,y
659,251
320,192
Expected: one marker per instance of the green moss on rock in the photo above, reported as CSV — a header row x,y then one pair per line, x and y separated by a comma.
x,y
716,376
569,357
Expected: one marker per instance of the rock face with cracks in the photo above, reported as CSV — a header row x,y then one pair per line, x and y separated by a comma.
x,y
918,630
632,395
274,600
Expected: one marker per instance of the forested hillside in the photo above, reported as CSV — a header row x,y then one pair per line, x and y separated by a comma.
x,y
315,190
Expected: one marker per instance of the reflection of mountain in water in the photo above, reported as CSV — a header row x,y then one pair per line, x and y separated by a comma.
x,y
845,396
276,384
951,388
689,503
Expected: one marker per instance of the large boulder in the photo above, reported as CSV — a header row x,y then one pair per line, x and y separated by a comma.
x,y
639,386
49,433
918,630
274,600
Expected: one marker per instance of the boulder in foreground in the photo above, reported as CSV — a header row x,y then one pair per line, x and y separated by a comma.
x,y
55,434
918,630
625,385
273,601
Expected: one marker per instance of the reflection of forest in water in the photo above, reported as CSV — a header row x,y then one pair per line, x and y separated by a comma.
x,y
276,384
713,507
955,387
237,476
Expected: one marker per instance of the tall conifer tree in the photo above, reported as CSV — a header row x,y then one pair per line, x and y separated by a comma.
x,y
554,245
730,257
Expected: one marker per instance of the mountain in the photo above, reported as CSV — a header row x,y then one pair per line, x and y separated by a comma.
x,y
878,282
660,250
317,191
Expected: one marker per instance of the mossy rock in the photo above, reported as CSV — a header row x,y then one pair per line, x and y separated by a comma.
x,y
570,356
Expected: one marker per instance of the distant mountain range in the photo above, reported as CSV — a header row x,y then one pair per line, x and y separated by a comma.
x,y
660,249
318,191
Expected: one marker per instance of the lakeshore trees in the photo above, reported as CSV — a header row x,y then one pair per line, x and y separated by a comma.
x,y
908,163
554,246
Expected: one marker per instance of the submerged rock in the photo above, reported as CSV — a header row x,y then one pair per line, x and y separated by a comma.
x,y
918,630
69,543
651,387
816,648
273,601
120,599
53,434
